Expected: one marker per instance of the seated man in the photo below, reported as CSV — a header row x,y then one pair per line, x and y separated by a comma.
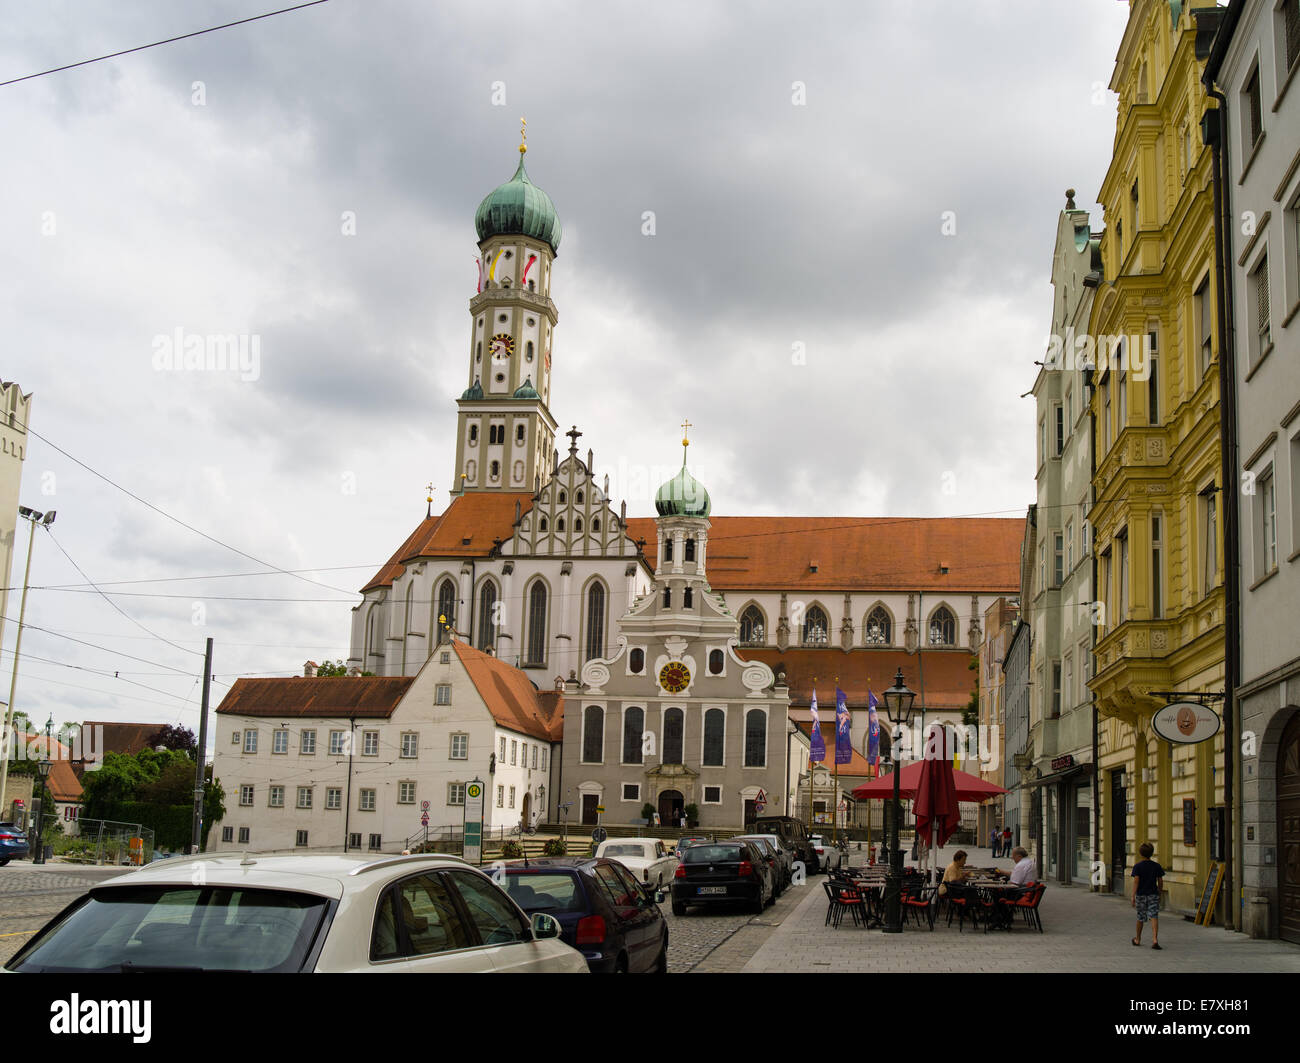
x,y
1025,871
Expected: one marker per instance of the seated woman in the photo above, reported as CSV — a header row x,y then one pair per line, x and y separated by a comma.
x,y
955,872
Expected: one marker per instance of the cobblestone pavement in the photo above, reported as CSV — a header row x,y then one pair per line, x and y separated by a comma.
x,y
1083,931
30,895
713,940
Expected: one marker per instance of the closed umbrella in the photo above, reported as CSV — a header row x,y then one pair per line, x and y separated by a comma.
x,y
937,814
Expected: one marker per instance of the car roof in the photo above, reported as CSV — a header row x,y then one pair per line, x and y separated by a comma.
x,y
615,841
543,863
327,874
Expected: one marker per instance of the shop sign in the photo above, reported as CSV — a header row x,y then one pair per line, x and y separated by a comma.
x,y
1186,722
1066,761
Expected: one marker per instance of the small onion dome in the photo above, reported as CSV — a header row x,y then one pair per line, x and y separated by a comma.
x,y
683,496
518,207
526,390
473,392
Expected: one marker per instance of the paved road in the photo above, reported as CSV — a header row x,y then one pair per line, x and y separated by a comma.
x,y
713,940
31,894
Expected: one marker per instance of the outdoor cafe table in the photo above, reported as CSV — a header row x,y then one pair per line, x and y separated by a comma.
x,y
1002,914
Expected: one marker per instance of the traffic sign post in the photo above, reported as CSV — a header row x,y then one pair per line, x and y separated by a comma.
x,y
472,850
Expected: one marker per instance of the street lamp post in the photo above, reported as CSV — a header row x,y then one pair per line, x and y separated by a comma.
x,y
43,766
898,705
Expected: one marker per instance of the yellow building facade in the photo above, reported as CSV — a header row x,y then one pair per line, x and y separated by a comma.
x,y
1157,520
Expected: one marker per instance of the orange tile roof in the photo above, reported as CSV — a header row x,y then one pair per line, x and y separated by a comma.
x,y
757,553
873,553
466,528
511,697
125,738
949,679
366,696
63,782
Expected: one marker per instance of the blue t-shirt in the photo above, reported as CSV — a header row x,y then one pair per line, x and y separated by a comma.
x,y
1147,872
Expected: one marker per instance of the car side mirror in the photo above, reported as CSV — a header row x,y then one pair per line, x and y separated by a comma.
x,y
545,926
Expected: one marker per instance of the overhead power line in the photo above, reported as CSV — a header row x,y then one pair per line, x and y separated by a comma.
x,y
155,44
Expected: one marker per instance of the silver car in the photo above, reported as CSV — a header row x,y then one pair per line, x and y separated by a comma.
x,y
323,913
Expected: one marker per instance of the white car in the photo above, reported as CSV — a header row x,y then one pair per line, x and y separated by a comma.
x,y
646,858
324,913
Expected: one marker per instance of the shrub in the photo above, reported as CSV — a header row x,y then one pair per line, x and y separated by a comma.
x,y
511,850
554,847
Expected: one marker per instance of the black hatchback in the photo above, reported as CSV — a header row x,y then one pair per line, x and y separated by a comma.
x,y
726,871
603,912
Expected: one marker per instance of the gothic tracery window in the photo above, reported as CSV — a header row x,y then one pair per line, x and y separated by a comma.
x,y
751,627
943,627
879,628
816,627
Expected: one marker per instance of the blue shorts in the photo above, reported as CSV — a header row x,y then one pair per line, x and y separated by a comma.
x,y
1148,906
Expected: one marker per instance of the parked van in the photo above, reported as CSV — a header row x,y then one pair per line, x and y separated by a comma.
x,y
794,833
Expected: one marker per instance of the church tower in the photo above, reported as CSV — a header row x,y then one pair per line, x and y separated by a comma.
x,y
505,434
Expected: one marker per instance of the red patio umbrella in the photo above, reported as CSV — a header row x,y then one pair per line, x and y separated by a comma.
x,y
966,786
937,814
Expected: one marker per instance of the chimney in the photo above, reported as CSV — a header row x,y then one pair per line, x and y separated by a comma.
x,y
309,669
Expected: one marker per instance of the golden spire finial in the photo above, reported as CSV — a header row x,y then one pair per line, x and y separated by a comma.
x,y
686,442
429,488
523,135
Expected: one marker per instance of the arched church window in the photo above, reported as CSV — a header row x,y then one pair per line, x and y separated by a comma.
x,y
595,524
519,432
943,627
537,623
563,498
668,597
496,470
714,737
478,350
578,498
633,726
636,661
751,627
543,525
688,596
532,286
473,434
446,617
815,627
674,725
593,734
528,347
559,525
755,738
487,630
879,627
595,642
690,550
716,662
668,549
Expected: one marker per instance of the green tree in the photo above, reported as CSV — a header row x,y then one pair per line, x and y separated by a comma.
x,y
971,714
330,668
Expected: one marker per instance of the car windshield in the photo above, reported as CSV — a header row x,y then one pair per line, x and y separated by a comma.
x,y
706,854
624,850
546,891
180,927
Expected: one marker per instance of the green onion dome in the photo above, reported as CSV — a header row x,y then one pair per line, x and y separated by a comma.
x,y
526,390
683,496
519,207
474,391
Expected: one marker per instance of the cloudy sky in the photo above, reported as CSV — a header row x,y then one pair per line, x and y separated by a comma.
x,y
848,281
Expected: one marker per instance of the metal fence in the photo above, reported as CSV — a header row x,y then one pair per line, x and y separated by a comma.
x,y
102,841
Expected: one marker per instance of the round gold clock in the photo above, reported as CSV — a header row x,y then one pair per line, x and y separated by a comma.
x,y
503,345
674,677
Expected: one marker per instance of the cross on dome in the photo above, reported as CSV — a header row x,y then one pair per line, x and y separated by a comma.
x,y
573,434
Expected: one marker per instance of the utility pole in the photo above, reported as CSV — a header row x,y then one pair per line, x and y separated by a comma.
x,y
46,519
196,831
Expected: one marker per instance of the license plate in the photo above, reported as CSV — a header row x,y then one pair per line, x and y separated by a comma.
x,y
711,889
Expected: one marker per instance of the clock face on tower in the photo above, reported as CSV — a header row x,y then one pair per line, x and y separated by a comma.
x,y
503,346
674,677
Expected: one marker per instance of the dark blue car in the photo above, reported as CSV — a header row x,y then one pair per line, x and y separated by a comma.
x,y
604,913
13,843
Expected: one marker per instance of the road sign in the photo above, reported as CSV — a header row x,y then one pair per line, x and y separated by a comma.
x,y
599,835
424,806
600,810
473,847
424,819
760,803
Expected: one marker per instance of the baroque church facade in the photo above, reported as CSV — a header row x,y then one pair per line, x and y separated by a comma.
x,y
531,562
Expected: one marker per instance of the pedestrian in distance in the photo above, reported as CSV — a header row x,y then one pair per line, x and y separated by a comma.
x,y
995,837
1006,841
1148,879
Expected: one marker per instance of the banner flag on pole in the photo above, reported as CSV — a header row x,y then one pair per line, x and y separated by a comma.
x,y
843,729
817,753
873,732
